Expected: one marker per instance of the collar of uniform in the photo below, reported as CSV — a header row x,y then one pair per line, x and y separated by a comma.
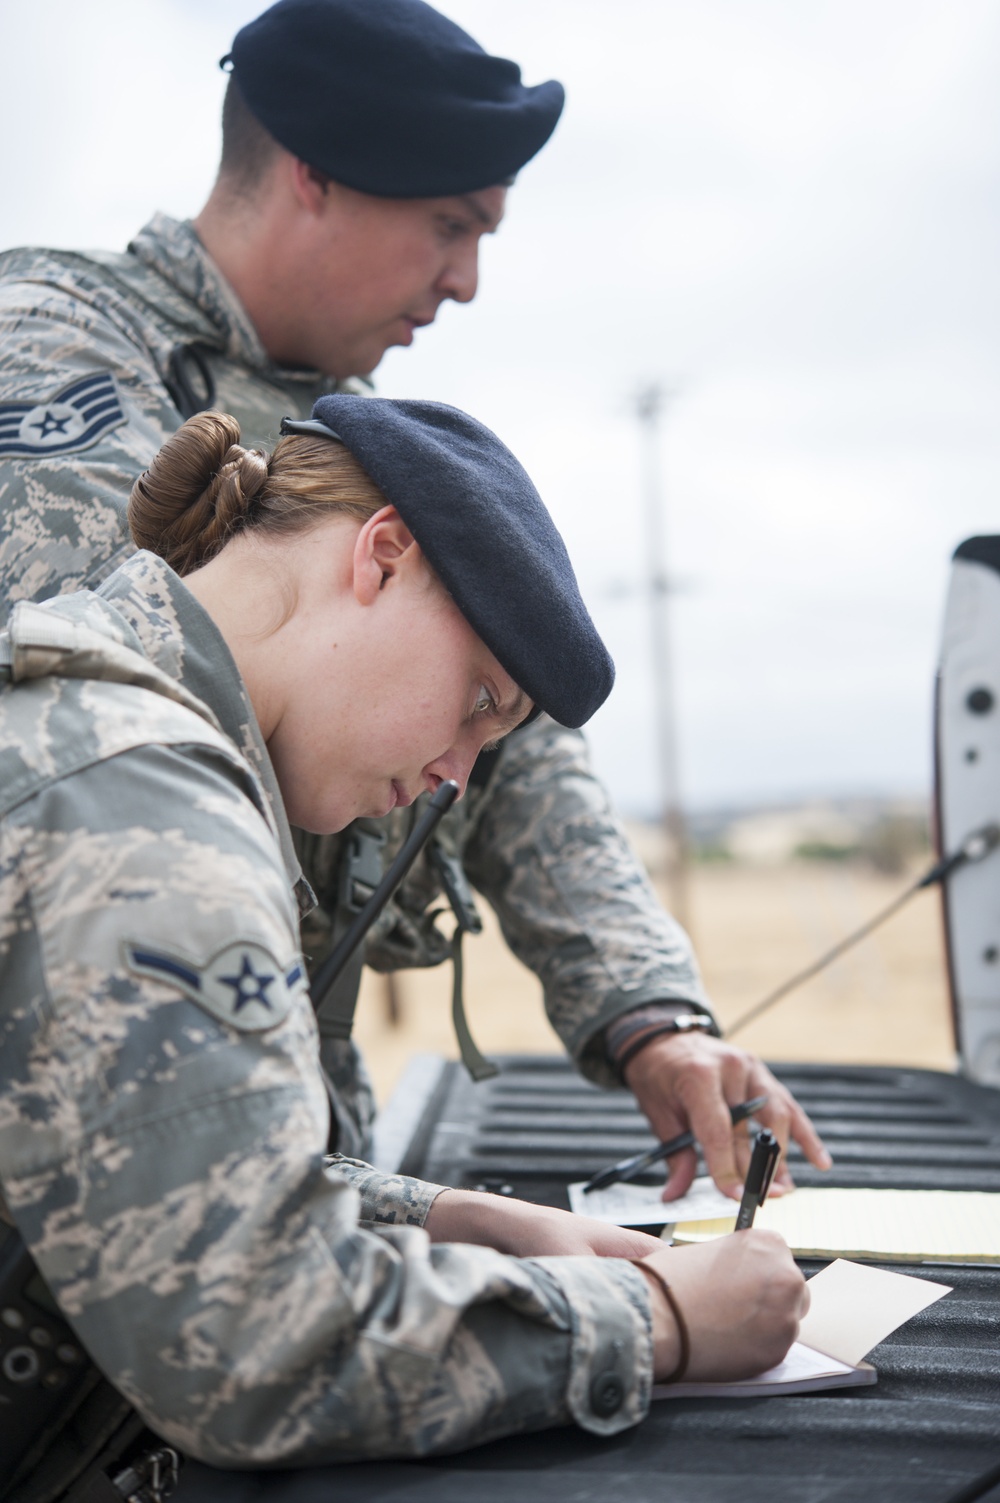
x,y
179,636
172,248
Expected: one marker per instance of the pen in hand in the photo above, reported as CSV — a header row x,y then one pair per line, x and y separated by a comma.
x,y
627,1169
763,1162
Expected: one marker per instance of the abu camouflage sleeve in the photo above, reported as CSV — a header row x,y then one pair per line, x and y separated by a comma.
x,y
574,903
83,411
162,1135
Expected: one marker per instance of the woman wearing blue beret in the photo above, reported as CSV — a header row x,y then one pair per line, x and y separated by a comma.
x,y
310,636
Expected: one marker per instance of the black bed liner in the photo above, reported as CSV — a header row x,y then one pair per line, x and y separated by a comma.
x,y
930,1425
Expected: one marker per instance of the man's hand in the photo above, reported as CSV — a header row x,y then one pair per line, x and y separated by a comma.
x,y
529,1231
741,1297
689,1081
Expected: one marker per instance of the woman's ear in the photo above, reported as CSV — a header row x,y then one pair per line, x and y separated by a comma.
x,y
385,548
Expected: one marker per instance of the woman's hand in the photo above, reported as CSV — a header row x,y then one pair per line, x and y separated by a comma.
x,y
529,1231
741,1297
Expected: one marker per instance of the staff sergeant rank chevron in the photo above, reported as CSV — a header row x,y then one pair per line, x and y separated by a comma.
x,y
71,420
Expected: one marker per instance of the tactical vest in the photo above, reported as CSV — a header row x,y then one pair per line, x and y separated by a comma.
x,y
66,1435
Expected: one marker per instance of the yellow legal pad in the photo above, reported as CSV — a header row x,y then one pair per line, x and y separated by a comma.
x,y
955,1226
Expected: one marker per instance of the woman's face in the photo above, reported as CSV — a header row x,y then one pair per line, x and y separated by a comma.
x,y
387,698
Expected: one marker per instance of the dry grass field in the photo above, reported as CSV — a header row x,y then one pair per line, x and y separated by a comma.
x,y
884,1002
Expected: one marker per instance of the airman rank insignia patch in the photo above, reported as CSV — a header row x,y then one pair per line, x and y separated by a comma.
x,y
71,420
243,985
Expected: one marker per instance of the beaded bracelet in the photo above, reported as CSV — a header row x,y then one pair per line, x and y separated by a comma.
x,y
675,1310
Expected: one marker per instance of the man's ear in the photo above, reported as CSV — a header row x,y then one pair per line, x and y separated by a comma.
x,y
310,186
385,549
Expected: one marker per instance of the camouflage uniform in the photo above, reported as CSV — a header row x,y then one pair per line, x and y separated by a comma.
x,y
540,841
162,1112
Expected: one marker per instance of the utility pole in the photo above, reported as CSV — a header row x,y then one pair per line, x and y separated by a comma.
x,y
649,404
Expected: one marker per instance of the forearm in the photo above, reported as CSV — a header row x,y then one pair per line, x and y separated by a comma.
x,y
252,1322
572,898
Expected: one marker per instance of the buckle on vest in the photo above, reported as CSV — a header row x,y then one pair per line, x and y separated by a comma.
x,y
151,1478
456,886
361,868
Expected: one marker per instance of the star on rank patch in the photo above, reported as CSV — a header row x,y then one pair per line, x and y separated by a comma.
x,y
72,419
243,985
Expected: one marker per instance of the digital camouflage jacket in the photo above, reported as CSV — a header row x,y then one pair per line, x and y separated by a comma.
x,y
163,1118
100,354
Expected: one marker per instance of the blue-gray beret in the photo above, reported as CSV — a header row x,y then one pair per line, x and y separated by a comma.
x,y
390,97
485,531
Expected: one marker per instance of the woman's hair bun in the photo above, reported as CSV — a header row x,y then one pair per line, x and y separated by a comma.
x,y
199,491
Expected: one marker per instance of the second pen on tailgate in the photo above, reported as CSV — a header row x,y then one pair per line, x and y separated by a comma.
x,y
628,1168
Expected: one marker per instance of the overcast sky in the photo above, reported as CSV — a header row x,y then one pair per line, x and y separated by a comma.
x,y
784,210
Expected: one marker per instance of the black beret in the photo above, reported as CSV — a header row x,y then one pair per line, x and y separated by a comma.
x,y
390,97
485,531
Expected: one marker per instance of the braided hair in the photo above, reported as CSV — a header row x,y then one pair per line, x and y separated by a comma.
x,y
203,488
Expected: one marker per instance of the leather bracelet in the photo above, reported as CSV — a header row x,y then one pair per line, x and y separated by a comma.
x,y
629,1033
675,1310
636,1047
628,1025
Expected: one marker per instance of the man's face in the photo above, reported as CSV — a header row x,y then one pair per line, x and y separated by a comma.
x,y
379,268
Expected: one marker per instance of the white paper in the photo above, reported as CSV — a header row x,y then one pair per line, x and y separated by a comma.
x,y
801,1364
853,1307
640,1205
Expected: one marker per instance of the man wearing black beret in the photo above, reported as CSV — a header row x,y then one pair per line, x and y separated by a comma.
x,y
367,147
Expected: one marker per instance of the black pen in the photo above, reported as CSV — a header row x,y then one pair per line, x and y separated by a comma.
x,y
763,1162
629,1168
